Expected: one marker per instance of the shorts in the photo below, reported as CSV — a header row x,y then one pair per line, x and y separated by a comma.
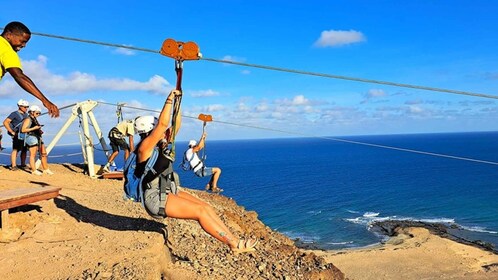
x,y
204,171
152,194
118,143
18,144
32,141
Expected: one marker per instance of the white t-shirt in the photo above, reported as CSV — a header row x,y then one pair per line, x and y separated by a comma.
x,y
193,159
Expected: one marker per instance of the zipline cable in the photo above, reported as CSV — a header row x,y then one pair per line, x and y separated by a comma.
x,y
282,69
327,138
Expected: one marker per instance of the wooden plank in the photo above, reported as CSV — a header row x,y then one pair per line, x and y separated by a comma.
x,y
113,175
21,196
4,224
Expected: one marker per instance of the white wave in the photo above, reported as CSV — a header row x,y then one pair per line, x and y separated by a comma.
x,y
371,214
352,211
478,229
436,220
304,238
340,243
370,217
314,212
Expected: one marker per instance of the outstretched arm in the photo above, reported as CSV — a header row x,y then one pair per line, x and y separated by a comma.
x,y
27,84
157,133
201,143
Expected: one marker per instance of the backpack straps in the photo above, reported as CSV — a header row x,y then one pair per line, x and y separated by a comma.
x,y
148,167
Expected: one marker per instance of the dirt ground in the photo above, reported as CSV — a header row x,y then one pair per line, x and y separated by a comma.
x,y
91,232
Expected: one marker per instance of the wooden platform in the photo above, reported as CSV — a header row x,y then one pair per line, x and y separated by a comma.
x,y
113,175
22,196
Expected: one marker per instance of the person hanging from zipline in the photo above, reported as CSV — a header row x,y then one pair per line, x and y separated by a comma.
x,y
117,140
160,197
197,164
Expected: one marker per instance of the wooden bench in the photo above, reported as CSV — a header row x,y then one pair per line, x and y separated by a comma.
x,y
22,196
113,175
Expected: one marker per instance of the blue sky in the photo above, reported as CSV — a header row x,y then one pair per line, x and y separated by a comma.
x,y
443,44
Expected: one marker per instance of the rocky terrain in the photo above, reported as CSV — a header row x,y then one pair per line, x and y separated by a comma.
x,y
90,232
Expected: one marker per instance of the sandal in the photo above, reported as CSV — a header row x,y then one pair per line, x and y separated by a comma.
x,y
217,190
208,187
245,246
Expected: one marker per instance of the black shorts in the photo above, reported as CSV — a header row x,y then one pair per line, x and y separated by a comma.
x,y
116,144
18,144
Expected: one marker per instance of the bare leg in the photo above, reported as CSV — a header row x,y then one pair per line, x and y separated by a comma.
x,y
211,211
214,178
13,158
32,154
178,206
43,157
24,151
113,156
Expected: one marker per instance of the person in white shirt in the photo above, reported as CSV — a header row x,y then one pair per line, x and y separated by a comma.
x,y
198,166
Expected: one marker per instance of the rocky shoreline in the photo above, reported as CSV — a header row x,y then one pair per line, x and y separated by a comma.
x,y
391,228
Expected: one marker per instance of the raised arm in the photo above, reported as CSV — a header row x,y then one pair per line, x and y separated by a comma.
x,y
157,133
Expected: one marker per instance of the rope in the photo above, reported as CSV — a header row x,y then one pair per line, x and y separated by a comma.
x,y
363,80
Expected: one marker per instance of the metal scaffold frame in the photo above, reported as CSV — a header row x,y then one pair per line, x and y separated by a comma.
x,y
83,111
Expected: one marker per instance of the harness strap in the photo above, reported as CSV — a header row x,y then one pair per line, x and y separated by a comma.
x,y
149,166
165,179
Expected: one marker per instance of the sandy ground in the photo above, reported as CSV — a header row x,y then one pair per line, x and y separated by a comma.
x,y
90,232
415,254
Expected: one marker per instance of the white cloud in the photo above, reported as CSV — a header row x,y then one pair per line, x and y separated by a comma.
x,y
376,93
232,59
334,38
373,94
204,93
124,51
299,100
77,82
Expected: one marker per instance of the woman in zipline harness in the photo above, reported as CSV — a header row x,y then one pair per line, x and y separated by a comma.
x,y
181,205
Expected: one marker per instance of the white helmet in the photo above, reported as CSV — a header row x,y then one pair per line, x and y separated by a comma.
x,y
22,103
34,108
145,124
192,143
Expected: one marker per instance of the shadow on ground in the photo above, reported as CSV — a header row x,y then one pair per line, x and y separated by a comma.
x,y
104,219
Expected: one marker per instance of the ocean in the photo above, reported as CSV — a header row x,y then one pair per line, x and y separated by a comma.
x,y
326,193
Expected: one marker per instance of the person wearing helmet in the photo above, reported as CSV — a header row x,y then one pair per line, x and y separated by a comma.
x,y
13,125
198,166
157,133
33,140
117,140
14,37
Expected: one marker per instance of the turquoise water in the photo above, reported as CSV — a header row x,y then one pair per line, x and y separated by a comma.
x,y
327,192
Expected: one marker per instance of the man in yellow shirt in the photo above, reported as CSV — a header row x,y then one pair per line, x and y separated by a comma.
x,y
14,37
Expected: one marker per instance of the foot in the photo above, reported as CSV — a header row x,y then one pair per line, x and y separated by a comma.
x,y
106,168
217,190
48,172
14,168
245,246
36,172
208,187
